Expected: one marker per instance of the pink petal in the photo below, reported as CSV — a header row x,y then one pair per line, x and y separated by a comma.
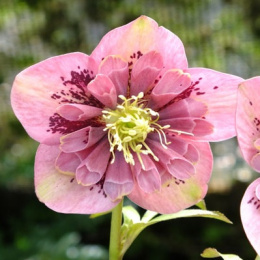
x,y
145,71
194,127
78,112
184,108
61,192
257,144
148,179
250,214
139,37
170,85
86,177
181,169
192,154
176,195
248,121
177,165
218,91
255,162
104,90
119,179
67,163
81,139
41,88
117,70
94,166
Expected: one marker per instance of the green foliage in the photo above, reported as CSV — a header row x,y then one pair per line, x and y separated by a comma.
x,y
133,225
213,253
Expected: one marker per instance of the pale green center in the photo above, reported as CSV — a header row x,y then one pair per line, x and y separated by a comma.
x,y
128,126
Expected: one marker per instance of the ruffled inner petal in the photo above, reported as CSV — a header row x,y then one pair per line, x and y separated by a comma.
x,y
67,163
181,169
81,139
187,107
176,164
86,177
145,71
117,70
119,179
148,179
192,154
171,85
104,90
191,126
95,163
78,112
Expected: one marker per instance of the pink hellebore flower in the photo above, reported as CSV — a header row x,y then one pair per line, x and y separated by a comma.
x,y
248,135
128,120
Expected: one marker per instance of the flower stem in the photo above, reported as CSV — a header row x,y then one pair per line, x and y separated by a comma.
x,y
115,233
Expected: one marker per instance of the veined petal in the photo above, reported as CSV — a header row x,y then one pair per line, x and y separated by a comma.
x,y
145,71
117,70
119,179
248,121
172,83
176,195
81,139
219,92
250,214
104,90
40,89
139,37
78,112
61,192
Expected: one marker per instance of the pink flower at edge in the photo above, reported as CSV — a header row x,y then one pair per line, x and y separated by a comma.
x,y
248,135
130,120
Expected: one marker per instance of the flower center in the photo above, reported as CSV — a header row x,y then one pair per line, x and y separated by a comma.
x,y
128,126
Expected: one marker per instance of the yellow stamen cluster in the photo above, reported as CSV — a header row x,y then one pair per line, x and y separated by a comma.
x,y
128,126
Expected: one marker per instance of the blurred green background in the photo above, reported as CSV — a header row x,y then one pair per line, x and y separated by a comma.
x,y
220,34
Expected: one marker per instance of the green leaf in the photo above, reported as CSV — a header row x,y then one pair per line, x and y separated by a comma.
x,y
99,214
213,253
257,257
202,205
192,213
131,215
148,215
133,225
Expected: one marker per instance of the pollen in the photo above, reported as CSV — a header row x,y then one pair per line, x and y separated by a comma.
x,y
128,127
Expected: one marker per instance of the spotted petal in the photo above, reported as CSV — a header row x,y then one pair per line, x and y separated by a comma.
x,y
139,37
176,195
219,92
41,88
250,214
248,121
61,192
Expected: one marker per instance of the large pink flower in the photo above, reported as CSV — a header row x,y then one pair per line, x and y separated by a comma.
x,y
129,120
248,135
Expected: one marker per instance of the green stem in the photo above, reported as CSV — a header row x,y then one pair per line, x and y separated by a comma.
x,y
115,233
